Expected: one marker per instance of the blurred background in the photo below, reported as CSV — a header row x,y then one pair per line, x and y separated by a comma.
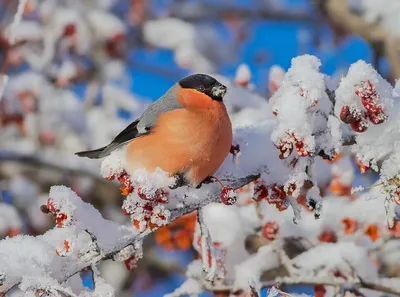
x,y
81,70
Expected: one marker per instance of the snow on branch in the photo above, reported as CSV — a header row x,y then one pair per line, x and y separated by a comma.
x,y
273,166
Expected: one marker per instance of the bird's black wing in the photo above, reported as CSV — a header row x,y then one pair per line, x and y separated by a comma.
x,y
140,127
129,133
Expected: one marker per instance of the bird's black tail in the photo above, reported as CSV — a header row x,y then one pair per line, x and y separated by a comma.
x,y
93,154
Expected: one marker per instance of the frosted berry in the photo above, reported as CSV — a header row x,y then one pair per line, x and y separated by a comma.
x,y
260,191
228,196
126,184
50,205
285,149
301,150
377,117
369,105
348,115
276,194
131,262
359,126
60,219
162,196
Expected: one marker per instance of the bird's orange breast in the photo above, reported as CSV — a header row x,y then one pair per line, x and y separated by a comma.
x,y
183,141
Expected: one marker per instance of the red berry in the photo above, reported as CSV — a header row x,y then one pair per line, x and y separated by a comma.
x,y
110,177
131,262
228,196
162,196
50,205
277,194
60,218
260,191
124,211
349,115
69,30
359,126
328,236
319,291
377,117
148,207
126,184
366,90
285,149
303,152
271,230
369,105
141,194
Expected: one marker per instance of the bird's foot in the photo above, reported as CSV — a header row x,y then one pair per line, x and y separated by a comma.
x,y
207,180
180,181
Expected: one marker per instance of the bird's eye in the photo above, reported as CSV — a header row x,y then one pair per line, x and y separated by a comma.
x,y
201,89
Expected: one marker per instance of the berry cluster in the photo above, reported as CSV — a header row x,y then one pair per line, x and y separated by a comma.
x,y
146,208
273,194
373,112
289,142
62,220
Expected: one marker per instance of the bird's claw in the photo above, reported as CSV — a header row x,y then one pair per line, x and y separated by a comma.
x,y
180,181
207,180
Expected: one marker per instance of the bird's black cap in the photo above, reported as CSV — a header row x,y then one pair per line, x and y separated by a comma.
x,y
204,84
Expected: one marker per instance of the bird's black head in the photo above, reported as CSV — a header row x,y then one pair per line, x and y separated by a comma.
x,y
204,84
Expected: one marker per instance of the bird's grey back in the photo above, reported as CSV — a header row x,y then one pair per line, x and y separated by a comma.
x,y
165,103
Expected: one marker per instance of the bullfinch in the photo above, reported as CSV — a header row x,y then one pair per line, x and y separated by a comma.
x,y
186,132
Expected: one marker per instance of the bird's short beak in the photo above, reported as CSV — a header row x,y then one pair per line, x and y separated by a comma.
x,y
219,91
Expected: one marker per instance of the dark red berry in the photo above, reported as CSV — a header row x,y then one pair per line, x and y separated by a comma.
x,y
69,30
349,115
359,126
228,196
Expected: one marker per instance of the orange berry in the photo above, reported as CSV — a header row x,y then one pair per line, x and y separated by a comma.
x,y
350,226
182,240
60,218
372,231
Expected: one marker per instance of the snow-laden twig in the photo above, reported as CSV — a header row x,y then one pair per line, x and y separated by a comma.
x,y
11,40
17,19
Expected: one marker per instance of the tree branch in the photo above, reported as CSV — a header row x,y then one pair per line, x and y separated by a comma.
x,y
340,14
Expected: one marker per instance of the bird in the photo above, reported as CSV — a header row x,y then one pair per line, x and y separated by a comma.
x,y
187,133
